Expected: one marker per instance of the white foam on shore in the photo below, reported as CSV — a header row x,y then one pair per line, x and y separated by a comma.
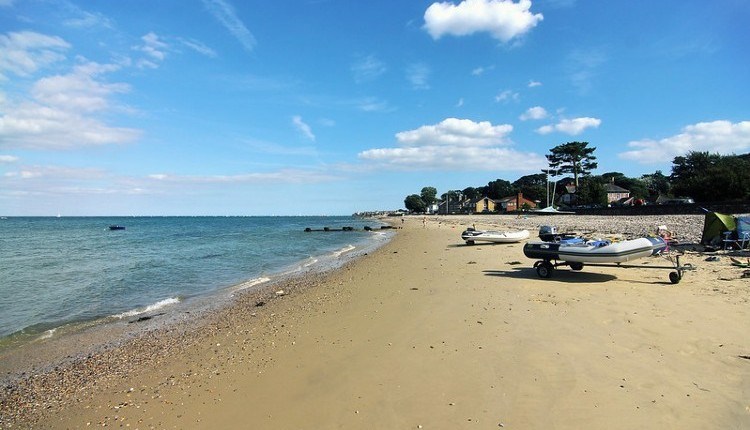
x,y
47,334
249,284
150,308
343,250
310,262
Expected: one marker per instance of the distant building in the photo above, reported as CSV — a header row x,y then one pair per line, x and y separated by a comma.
x,y
450,206
515,203
615,193
482,205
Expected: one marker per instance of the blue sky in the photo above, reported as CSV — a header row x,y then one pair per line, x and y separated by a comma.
x,y
324,107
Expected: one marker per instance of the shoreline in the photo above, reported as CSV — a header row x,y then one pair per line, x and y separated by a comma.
x,y
34,371
379,340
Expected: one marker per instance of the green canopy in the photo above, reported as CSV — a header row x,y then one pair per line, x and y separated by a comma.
x,y
714,227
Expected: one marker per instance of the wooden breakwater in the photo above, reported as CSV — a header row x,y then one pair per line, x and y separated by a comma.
x,y
347,228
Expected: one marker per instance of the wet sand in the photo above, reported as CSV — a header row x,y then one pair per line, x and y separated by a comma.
x,y
427,332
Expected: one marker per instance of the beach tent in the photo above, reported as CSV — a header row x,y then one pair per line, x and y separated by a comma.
x,y
714,226
743,230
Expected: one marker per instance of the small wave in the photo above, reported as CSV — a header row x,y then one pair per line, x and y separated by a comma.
x,y
150,308
47,334
310,262
343,250
250,283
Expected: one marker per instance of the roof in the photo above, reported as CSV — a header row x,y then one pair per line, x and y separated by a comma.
x,y
612,188
479,199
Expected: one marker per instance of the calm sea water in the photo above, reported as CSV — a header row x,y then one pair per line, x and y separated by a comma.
x,y
62,271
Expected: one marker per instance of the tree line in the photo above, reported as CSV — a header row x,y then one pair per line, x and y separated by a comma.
x,y
702,176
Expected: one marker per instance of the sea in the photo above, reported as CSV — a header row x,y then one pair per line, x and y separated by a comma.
x,y
63,272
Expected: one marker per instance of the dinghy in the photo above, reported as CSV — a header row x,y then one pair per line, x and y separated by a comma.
x,y
595,251
471,235
574,252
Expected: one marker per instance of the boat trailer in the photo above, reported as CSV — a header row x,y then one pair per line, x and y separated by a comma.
x,y
544,268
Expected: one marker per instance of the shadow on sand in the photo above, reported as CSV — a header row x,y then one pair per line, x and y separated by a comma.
x,y
561,275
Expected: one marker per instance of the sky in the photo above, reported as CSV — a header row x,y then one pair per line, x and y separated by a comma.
x,y
330,107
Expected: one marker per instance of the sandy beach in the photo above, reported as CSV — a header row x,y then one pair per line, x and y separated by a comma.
x,y
427,332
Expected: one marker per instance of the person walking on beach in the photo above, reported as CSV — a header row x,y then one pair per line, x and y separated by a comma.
x,y
424,221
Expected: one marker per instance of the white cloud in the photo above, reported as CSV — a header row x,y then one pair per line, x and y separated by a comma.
x,y
283,176
302,127
8,159
572,127
368,69
88,20
507,95
417,74
61,112
460,102
479,71
533,84
454,131
77,91
155,50
536,112
373,104
504,19
454,144
23,53
723,137
56,172
198,47
224,13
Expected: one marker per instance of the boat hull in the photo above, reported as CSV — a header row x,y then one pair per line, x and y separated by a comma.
x,y
471,236
618,252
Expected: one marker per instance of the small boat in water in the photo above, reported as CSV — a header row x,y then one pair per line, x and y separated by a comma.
x,y
117,227
471,235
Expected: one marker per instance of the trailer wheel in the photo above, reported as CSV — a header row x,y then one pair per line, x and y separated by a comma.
x,y
674,277
544,269
470,242
576,266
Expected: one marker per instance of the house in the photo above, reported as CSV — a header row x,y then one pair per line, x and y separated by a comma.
x,y
450,206
482,205
615,193
515,203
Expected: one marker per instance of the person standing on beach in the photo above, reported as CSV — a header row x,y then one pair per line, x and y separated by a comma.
x,y
424,221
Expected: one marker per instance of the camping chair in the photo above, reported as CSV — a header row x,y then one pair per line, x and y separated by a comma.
x,y
736,242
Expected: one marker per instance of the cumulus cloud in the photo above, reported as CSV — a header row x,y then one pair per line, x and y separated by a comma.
x,y
23,53
224,12
572,127
368,69
62,112
454,144
533,84
458,132
536,112
302,127
723,137
503,19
